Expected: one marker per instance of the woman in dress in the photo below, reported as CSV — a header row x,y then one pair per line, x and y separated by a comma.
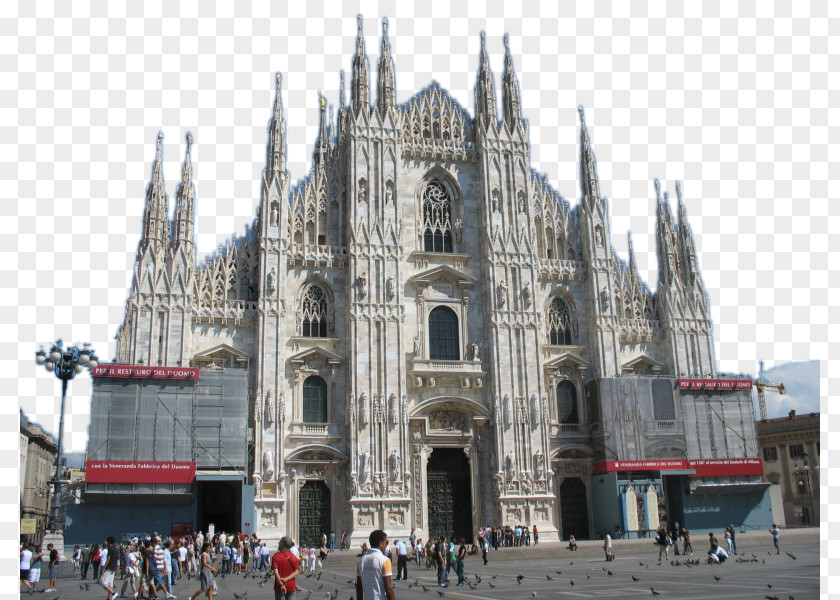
x,y
206,572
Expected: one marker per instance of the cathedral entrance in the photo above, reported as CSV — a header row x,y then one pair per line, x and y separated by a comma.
x,y
573,508
315,516
449,494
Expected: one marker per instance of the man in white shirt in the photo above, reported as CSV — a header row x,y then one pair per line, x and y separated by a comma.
x,y
264,555
418,552
373,574
402,560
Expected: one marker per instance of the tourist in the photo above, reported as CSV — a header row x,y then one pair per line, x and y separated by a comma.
x,y
206,572
440,560
418,552
286,568
776,533
373,579
85,562
109,569
728,539
77,557
131,573
460,557
402,560
53,556
732,537
686,536
35,568
343,540
332,541
662,540
536,536
25,566
608,552
717,556
572,543
485,548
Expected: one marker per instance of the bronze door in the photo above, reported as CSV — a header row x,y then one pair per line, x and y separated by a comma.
x,y
573,509
449,494
314,513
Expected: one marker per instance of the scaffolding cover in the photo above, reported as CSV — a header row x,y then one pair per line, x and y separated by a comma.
x,y
202,421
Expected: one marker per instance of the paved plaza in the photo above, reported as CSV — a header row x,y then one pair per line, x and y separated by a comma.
x,y
797,577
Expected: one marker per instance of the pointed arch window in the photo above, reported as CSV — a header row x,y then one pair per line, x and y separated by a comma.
x,y
567,407
314,400
314,312
437,218
559,324
443,334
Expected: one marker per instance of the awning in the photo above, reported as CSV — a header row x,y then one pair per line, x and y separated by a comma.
x,y
730,488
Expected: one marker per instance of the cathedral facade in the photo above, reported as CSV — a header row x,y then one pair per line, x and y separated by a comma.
x,y
433,339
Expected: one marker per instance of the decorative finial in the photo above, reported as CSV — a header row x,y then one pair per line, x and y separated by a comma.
x,y
482,40
506,40
665,196
323,101
580,112
189,142
384,25
656,187
279,77
159,141
359,22
678,187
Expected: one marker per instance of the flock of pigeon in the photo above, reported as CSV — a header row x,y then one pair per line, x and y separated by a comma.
x,y
317,585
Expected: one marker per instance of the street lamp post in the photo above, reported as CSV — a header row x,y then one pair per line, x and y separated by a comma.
x,y
805,472
65,363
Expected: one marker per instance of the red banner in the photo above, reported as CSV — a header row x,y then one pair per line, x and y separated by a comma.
x,y
141,372
133,471
720,467
715,384
703,467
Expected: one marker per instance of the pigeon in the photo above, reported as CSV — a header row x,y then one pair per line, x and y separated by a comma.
x,y
350,581
558,572
87,586
772,597
490,584
425,589
478,579
769,586
654,592
494,576
549,577
634,578
571,563
641,564
603,568
238,596
571,582
791,555
321,586
717,578
441,594
318,576
533,594
588,576
519,579
416,582
472,586
609,573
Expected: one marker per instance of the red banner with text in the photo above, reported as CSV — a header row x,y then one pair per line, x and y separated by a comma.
x,y
702,467
715,384
134,471
141,372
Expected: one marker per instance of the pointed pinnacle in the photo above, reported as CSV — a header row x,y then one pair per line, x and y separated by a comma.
x,y
385,27
189,143
159,144
580,112
360,39
656,187
678,187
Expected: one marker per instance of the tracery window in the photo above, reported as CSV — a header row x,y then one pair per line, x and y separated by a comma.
x,y
437,218
314,312
559,324
314,400
443,334
567,408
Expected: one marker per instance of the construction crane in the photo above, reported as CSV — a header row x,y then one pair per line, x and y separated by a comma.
x,y
761,385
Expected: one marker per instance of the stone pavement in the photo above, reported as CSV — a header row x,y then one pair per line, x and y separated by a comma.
x,y
548,571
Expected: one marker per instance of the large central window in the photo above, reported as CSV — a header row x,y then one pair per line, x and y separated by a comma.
x,y
443,334
314,400
567,408
437,218
314,309
559,324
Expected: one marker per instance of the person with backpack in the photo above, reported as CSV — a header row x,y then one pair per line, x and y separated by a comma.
x,y
663,540
286,568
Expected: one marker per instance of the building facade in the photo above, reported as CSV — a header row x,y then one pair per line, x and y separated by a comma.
x,y
433,338
789,444
37,468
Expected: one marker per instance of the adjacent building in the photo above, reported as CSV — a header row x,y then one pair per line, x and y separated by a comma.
x,y
789,445
420,334
37,466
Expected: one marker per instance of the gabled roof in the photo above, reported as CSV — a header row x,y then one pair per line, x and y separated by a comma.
x,y
642,361
331,357
443,272
567,359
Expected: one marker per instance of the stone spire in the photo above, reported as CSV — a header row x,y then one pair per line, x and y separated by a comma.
x,y
323,138
277,135
632,255
185,203
588,173
664,237
485,92
686,238
360,86
385,95
155,220
510,91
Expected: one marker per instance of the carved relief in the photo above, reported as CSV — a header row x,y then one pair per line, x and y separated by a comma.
x,y
364,466
269,409
271,281
390,288
396,517
362,190
365,519
395,465
268,518
514,515
508,406
447,420
501,293
364,415
393,416
541,514
268,465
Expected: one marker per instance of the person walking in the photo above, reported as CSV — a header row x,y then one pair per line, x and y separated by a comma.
x,y
440,560
206,573
53,555
485,546
286,568
85,561
402,560
418,552
536,536
109,569
132,572
343,540
776,533
25,566
608,553
35,569
373,573
728,539
732,537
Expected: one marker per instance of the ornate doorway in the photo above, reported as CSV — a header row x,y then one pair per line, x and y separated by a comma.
x,y
573,508
449,494
315,518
